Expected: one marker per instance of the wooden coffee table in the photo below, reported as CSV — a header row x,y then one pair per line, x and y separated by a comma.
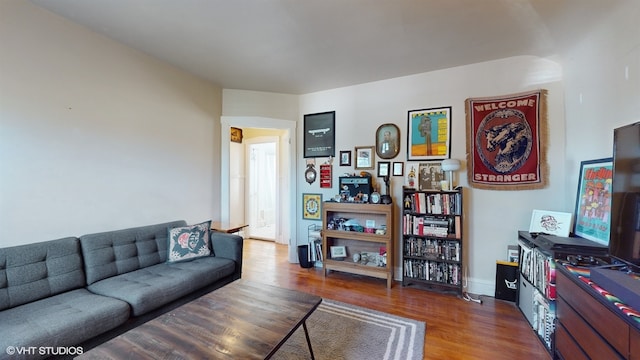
x,y
242,320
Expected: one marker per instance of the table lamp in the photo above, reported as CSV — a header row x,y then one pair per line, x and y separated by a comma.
x,y
450,165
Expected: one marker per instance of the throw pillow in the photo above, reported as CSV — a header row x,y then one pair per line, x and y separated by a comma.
x,y
189,242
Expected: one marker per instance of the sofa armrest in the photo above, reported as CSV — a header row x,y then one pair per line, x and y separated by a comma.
x,y
228,246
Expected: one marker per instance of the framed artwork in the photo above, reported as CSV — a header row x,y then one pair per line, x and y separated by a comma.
x,y
593,201
338,252
513,254
236,134
345,158
398,168
365,158
429,134
430,175
311,206
387,141
383,168
550,222
320,135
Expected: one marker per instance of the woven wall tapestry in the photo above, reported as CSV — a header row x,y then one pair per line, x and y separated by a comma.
x,y
506,141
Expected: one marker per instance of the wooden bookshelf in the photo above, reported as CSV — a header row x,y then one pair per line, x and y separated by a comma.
x,y
432,239
362,229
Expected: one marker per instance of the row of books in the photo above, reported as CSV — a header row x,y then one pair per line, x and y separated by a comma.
x,y
434,203
432,249
436,271
315,250
539,269
428,225
544,318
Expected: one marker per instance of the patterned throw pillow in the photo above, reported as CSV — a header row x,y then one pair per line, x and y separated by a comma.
x,y
189,242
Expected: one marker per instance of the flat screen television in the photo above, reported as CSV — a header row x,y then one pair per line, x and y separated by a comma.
x,y
624,238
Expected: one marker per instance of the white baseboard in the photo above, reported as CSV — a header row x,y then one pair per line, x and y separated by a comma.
x,y
473,286
480,287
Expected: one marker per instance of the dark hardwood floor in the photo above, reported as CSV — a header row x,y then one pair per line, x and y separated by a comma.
x,y
456,329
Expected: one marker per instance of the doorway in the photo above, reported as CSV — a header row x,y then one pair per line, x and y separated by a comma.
x,y
262,200
286,182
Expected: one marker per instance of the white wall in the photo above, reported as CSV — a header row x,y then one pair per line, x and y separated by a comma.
x,y
602,87
96,136
604,68
492,217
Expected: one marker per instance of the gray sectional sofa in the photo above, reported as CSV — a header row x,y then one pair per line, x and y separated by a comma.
x,y
70,294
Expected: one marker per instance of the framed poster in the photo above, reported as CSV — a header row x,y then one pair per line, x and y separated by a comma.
x,y
387,141
311,206
429,134
593,201
320,135
365,158
430,175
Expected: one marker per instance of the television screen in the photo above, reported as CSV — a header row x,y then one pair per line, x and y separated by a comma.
x,y
624,238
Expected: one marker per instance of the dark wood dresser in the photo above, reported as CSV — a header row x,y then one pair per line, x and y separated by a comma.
x,y
589,326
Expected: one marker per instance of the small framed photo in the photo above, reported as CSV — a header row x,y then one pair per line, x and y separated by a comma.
x,y
388,141
236,134
429,134
398,168
593,201
365,158
430,175
345,158
338,252
550,222
311,206
513,254
383,168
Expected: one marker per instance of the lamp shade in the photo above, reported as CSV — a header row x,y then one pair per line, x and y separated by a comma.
x,y
450,165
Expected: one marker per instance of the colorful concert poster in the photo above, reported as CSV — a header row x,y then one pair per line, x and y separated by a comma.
x,y
593,202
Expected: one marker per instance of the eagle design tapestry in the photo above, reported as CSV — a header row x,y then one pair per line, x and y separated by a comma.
x,y
506,141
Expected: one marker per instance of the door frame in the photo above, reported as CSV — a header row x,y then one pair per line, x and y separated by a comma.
x,y
287,144
248,179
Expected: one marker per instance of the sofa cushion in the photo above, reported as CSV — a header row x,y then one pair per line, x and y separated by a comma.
x,y
189,242
39,270
65,319
150,288
117,252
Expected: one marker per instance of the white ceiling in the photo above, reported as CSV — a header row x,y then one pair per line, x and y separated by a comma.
x,y
303,46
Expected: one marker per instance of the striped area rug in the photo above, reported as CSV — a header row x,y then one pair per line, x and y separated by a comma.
x,y
342,331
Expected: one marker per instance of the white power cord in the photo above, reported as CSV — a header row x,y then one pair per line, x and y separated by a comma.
x,y
468,297
465,295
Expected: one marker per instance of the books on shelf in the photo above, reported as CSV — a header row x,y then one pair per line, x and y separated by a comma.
x,y
432,249
435,271
428,225
434,203
432,239
539,269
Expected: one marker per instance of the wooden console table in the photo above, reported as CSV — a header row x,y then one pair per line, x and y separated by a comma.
x,y
590,326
